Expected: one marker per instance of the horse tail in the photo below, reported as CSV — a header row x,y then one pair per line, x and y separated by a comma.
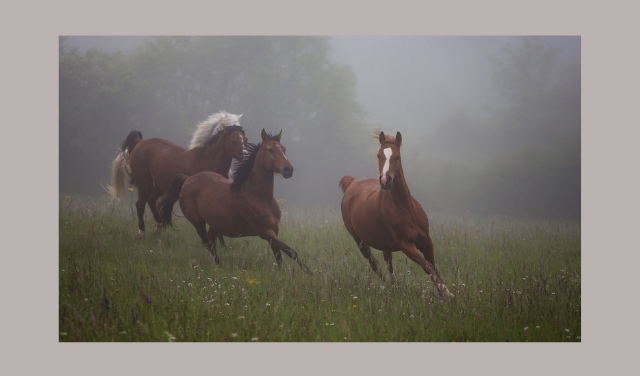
x,y
166,203
345,182
120,166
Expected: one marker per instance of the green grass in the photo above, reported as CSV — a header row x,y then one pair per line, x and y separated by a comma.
x,y
514,280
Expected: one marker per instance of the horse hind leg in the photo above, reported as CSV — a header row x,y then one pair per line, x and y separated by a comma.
x,y
221,239
152,200
388,259
426,248
140,207
277,255
201,229
411,251
212,235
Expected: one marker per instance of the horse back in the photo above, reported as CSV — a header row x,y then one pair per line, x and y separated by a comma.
x,y
158,161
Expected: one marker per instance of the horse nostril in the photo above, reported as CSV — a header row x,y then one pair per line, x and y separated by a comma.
x,y
287,171
385,181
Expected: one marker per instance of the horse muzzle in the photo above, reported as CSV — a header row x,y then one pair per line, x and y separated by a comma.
x,y
287,172
385,182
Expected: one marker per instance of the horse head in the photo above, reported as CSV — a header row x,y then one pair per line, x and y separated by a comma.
x,y
235,142
273,155
388,159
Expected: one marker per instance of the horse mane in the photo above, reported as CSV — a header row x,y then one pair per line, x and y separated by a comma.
x,y
387,138
242,170
210,127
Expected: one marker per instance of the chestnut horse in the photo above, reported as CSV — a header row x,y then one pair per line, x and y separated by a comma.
x,y
152,164
244,207
381,213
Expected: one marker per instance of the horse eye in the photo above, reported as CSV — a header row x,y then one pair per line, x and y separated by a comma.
x,y
397,158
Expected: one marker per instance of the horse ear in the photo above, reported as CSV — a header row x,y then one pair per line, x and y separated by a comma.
x,y
277,137
264,135
381,137
398,137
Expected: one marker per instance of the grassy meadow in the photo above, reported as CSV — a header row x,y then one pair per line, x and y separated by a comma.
x,y
514,280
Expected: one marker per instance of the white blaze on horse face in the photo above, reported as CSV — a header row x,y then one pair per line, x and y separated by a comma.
x,y
387,154
283,154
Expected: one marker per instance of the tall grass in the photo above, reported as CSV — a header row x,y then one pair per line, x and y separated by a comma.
x,y
514,280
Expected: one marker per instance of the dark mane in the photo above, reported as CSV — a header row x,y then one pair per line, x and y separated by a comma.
x,y
227,131
242,170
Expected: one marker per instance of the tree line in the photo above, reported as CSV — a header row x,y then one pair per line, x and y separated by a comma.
x,y
522,157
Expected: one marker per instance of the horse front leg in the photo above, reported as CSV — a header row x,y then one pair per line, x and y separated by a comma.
x,y
366,252
278,245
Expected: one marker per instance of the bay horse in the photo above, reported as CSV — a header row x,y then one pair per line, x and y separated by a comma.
x,y
152,164
381,213
244,207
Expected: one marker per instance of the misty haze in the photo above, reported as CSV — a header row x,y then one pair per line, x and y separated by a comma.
x,y
490,125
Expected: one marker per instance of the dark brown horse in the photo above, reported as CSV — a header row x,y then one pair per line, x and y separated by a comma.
x,y
152,164
381,213
244,207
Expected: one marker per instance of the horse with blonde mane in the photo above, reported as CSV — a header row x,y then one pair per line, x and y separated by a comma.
x,y
381,213
152,164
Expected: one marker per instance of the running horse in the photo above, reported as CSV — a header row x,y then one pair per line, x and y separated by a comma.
x,y
381,213
244,207
152,164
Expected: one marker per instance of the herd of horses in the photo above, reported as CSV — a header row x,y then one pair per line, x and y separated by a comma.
x,y
378,213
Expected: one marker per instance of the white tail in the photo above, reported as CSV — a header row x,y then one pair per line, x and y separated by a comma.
x,y
120,171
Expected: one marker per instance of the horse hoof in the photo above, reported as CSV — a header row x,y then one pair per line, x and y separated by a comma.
x,y
444,291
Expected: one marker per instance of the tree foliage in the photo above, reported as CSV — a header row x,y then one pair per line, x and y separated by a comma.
x,y
524,156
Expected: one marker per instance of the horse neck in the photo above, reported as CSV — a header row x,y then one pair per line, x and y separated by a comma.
x,y
215,158
260,183
399,191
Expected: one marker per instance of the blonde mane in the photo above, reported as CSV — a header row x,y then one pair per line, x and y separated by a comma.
x,y
210,127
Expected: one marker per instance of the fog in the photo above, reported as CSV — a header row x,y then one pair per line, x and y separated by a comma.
x,y
490,125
